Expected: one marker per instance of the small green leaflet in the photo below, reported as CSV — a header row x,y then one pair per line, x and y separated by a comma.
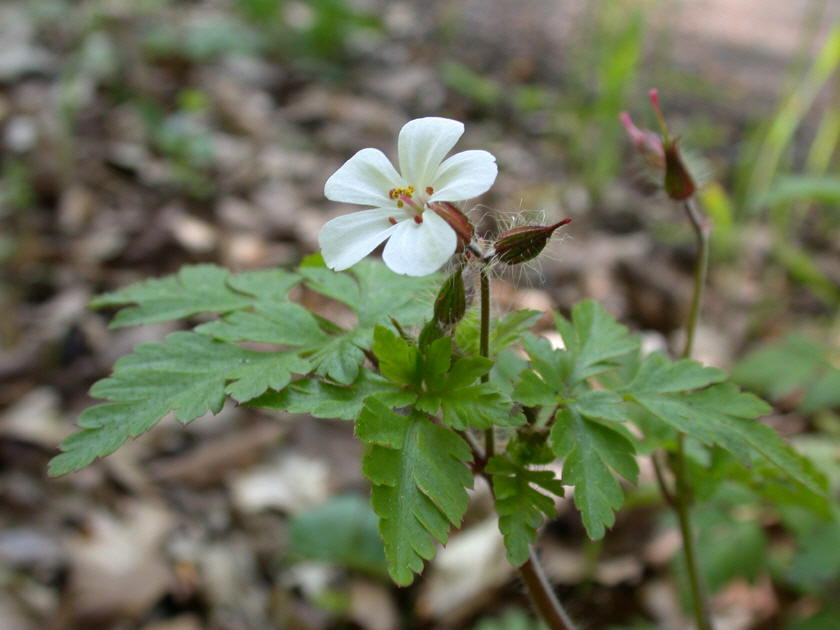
x,y
591,451
194,289
420,479
594,339
189,374
328,400
520,504
399,360
440,384
719,414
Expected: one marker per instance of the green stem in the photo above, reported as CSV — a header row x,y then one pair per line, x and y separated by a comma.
x,y
701,229
546,604
681,498
484,350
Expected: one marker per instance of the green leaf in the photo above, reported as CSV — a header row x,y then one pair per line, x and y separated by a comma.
x,y
658,374
794,365
594,339
188,374
720,414
520,504
600,404
419,475
591,451
547,383
818,558
455,391
328,400
504,331
341,532
194,289
281,323
398,359
506,370
731,545
376,295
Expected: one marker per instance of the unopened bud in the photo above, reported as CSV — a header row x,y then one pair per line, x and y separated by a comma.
x,y
523,243
678,181
451,300
431,332
457,220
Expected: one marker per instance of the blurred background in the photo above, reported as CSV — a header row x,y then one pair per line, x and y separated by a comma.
x,y
140,135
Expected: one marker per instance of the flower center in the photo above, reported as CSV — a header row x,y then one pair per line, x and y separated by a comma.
x,y
404,196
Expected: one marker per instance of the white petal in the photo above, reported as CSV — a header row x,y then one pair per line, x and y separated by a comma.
x,y
365,178
420,249
464,175
423,143
347,239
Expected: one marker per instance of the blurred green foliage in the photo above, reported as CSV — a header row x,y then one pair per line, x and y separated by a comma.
x,y
341,532
795,368
510,619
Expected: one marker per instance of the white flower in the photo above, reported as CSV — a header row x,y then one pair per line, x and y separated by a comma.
x,y
419,241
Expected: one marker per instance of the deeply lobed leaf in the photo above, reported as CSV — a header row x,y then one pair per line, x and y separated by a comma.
x,y
718,414
189,374
591,451
194,289
420,480
520,503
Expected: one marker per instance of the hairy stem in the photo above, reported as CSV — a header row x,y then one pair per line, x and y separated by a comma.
x,y
545,602
681,497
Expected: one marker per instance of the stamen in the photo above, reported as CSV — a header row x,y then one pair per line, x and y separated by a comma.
x,y
429,190
392,220
418,219
407,200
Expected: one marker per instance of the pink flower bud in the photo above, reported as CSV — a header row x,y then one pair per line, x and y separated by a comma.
x,y
661,151
647,143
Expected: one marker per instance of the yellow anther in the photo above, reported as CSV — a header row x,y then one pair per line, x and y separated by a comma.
x,y
400,203
406,191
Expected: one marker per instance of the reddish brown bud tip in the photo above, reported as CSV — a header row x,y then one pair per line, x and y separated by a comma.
x,y
457,220
524,243
660,117
679,184
451,300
